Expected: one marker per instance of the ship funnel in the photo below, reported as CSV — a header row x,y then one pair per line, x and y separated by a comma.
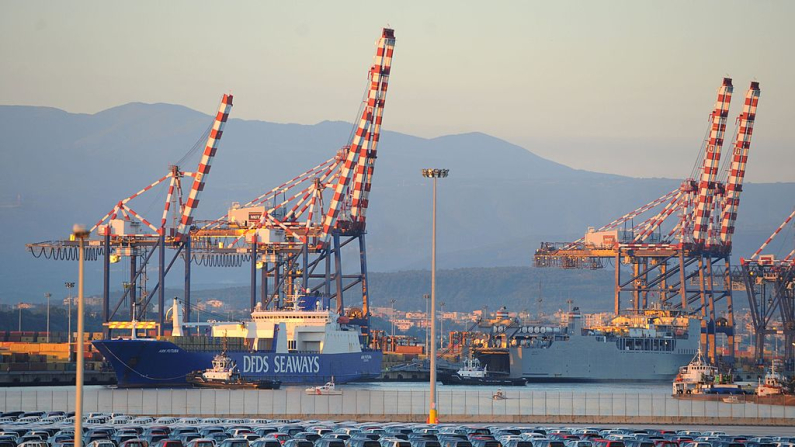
x,y
176,319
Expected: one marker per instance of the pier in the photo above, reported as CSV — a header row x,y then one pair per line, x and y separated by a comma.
x,y
455,405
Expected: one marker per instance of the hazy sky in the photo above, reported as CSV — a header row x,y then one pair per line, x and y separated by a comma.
x,y
614,86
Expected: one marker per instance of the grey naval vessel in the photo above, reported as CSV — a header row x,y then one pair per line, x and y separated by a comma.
x,y
649,346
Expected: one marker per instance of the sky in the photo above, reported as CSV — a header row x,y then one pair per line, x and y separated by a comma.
x,y
621,87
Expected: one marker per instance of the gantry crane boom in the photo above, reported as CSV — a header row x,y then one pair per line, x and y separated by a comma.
x,y
379,83
363,143
712,153
200,177
736,174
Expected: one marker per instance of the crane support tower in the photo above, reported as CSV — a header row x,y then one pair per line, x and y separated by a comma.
x,y
680,262
770,284
125,233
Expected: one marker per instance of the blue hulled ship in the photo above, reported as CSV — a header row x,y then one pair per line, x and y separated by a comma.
x,y
306,344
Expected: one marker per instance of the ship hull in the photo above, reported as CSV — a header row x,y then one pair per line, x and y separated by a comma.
x,y
585,359
148,363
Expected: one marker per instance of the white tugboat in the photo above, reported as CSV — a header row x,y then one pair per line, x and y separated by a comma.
x,y
773,384
224,374
699,377
473,373
328,389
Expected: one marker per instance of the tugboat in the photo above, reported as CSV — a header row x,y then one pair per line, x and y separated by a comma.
x,y
472,373
224,374
773,385
695,376
328,389
699,377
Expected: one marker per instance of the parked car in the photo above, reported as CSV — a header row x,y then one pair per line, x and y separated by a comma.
x,y
101,443
262,442
330,441
200,442
134,443
234,442
298,443
169,443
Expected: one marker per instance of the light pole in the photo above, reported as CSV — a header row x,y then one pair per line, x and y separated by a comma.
x,y
69,287
20,316
435,174
80,233
48,295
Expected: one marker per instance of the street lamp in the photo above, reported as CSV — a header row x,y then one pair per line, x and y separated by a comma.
x,y
435,174
48,295
69,287
80,233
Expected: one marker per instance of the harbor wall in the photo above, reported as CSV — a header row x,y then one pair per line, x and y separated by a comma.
x,y
520,406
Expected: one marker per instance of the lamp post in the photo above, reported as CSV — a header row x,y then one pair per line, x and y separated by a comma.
x,y
69,287
435,174
80,233
48,295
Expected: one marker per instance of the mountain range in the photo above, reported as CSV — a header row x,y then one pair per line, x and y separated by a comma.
x,y
499,202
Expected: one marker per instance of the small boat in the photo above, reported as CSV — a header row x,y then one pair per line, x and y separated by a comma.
x,y
472,373
695,376
773,384
499,395
224,374
732,400
324,390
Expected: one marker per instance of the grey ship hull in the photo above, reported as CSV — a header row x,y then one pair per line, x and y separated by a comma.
x,y
589,358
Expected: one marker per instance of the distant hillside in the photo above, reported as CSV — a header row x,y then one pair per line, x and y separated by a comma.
x,y
499,203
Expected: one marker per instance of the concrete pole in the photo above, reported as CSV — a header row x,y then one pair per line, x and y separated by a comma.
x,y
80,233
435,174
433,417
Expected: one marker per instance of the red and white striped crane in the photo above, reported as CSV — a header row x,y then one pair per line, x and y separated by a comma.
x,y
687,239
712,153
199,178
736,174
296,228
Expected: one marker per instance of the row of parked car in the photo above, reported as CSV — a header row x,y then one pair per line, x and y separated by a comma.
x,y
56,429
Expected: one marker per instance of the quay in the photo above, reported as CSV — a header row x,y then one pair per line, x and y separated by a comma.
x,y
455,405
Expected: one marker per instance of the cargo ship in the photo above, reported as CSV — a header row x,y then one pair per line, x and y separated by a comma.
x,y
307,343
648,346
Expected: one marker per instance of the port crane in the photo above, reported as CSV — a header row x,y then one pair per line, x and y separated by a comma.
x,y
294,233
290,233
680,255
770,285
125,233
